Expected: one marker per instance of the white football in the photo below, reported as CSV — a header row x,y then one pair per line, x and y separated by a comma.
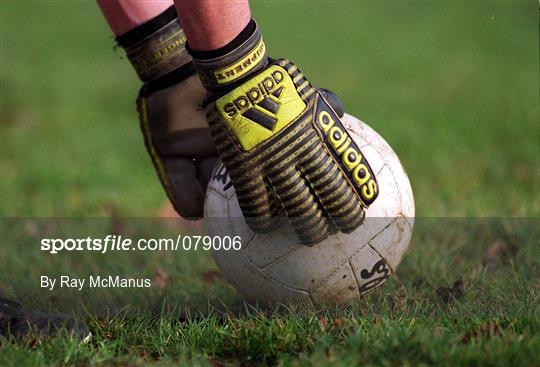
x,y
276,268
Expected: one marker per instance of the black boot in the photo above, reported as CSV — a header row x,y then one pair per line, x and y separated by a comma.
x,y
18,322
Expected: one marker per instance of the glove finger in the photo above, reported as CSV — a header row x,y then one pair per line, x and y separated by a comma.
x,y
333,191
184,188
253,194
339,174
333,100
255,201
300,205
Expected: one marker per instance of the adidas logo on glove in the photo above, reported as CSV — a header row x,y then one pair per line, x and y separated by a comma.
x,y
256,111
265,95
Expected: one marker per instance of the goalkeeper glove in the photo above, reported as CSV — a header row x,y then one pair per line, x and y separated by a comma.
x,y
282,142
175,129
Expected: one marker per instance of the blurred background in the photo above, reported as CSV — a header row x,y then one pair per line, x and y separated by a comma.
x,y
453,87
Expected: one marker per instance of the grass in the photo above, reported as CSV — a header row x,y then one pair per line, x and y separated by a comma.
x,y
453,87
419,317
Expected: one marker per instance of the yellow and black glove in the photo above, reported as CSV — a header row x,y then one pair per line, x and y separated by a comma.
x,y
174,127
282,142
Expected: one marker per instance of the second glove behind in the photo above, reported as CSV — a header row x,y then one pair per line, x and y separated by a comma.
x,y
175,129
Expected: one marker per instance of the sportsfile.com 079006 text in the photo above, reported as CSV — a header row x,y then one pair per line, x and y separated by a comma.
x,y
121,243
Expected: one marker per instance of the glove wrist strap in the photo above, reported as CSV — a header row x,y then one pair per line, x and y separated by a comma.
x,y
156,47
224,69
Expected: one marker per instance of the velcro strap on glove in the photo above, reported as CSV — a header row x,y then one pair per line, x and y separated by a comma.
x,y
223,73
156,47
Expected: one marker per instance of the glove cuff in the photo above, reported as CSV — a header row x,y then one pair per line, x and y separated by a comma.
x,y
157,47
223,69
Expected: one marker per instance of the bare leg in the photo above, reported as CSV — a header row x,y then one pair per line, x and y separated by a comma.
x,y
124,15
211,24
